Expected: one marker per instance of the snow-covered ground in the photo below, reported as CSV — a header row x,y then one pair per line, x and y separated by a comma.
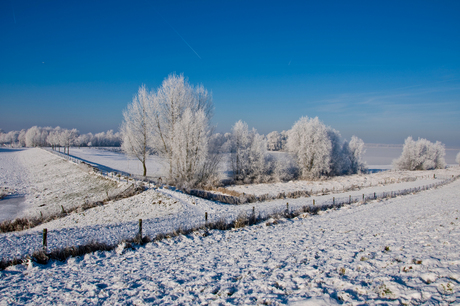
x,y
163,210
48,182
343,183
402,251
336,256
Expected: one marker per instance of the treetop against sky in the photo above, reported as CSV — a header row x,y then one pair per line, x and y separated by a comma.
x,y
380,70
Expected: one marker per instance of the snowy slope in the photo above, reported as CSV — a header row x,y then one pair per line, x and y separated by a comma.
x,y
399,251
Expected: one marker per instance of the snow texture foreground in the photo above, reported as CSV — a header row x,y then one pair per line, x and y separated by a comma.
x,y
399,251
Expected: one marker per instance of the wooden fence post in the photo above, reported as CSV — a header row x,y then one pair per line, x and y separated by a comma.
x,y
349,199
140,229
45,242
206,217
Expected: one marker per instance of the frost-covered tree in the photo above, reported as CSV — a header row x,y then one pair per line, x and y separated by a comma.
x,y
137,129
319,150
67,139
353,152
457,159
54,137
33,137
190,147
175,102
248,154
274,142
421,155
22,138
309,142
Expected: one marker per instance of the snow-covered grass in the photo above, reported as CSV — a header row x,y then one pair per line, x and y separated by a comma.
x,y
49,182
393,252
340,184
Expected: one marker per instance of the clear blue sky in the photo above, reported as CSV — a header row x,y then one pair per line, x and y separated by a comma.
x,y
382,70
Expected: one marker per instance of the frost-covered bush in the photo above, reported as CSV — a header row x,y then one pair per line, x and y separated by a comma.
x,y
354,151
421,155
276,141
319,150
248,158
309,142
457,159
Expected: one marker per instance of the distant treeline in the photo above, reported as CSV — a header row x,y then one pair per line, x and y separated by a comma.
x,y
58,137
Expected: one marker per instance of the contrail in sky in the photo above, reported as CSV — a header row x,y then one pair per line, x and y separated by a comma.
x,y
174,30
14,16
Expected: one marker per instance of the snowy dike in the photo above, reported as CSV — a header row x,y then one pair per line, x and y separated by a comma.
x,y
400,250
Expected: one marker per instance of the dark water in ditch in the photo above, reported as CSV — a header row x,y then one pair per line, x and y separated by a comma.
x,y
11,206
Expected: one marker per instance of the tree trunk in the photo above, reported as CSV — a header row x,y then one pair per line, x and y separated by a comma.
x,y
145,168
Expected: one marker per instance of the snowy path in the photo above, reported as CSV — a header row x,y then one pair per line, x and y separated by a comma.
x,y
399,251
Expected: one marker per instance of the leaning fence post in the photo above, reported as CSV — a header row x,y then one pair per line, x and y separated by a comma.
x,y
333,200
206,217
45,243
140,229
313,201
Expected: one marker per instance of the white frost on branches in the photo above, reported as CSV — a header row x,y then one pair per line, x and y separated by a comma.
x,y
421,155
136,129
248,154
181,130
319,150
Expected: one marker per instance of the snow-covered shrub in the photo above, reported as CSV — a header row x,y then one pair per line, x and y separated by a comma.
x,y
274,141
421,155
309,142
249,160
319,150
354,150
457,159
285,169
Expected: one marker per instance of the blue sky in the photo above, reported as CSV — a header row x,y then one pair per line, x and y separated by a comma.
x,y
381,70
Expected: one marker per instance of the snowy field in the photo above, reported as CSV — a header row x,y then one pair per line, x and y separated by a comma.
x,y
336,256
403,251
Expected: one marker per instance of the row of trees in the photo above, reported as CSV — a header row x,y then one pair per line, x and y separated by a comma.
x,y
173,121
58,137
315,150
